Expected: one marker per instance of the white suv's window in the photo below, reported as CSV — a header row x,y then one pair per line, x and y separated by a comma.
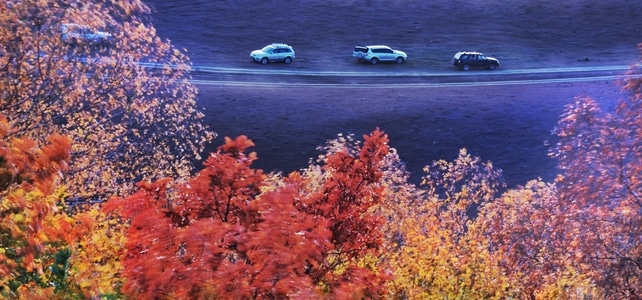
x,y
382,50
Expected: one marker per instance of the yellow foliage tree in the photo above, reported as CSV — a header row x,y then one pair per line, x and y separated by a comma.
x,y
434,247
97,249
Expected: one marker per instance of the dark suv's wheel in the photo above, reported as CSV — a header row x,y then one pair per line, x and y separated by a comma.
x,y
374,60
492,66
466,67
399,60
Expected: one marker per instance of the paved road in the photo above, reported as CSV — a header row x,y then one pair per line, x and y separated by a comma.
x,y
252,77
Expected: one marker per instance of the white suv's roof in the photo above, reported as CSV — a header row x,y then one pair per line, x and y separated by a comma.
x,y
378,46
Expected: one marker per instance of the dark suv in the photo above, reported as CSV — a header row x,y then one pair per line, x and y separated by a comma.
x,y
470,60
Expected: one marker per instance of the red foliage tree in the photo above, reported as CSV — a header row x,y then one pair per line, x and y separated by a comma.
x,y
177,246
220,236
350,190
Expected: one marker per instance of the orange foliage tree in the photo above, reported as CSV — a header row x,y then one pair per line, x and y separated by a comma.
x,y
535,245
226,234
34,230
125,103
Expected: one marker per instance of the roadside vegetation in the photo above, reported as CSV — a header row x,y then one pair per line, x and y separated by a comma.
x,y
120,127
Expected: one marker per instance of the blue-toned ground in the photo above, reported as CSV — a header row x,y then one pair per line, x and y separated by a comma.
x,y
505,124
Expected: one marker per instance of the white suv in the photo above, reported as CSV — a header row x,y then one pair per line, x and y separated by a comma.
x,y
272,53
377,53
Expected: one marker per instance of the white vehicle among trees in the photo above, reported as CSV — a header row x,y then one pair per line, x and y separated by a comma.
x,y
75,34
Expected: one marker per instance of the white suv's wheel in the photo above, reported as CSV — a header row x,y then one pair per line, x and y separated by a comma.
x,y
374,60
287,60
264,60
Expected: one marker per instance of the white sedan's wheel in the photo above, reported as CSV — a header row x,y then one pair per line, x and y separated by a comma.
x,y
399,60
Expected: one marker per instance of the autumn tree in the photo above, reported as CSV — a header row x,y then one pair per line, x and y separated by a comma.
x,y
34,230
94,264
536,245
226,234
126,103
214,238
434,246
600,157
346,191
184,244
